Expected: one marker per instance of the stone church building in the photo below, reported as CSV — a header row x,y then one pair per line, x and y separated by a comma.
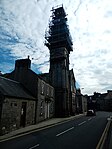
x,y
59,42
26,97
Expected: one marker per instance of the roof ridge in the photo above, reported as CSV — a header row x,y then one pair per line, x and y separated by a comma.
x,y
9,80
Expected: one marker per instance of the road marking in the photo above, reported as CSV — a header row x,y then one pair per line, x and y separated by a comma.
x,y
89,119
104,136
34,146
38,129
82,123
64,131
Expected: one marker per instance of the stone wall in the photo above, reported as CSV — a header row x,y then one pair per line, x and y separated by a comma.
x,y
11,114
84,104
45,106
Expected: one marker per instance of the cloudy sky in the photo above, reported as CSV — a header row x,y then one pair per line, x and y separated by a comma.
x,y
22,30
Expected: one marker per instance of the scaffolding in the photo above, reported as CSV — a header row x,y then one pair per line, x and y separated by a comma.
x,y
58,34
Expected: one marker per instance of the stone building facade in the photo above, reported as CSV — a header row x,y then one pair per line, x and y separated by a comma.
x,y
73,104
81,102
59,42
100,101
103,101
45,108
25,98
17,106
40,89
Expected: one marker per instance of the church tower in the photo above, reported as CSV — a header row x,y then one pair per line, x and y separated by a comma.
x,y
59,42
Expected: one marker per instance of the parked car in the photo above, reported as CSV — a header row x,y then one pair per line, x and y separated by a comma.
x,y
91,112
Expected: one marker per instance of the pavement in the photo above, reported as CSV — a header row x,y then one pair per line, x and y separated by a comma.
x,y
41,125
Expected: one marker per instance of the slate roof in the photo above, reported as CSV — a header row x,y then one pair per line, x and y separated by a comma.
x,y
44,76
102,96
12,88
109,95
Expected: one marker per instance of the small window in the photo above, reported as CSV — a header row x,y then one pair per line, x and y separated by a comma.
x,y
41,108
47,90
15,104
41,105
51,92
65,63
42,87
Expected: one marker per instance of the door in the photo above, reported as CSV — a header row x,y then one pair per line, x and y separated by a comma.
x,y
46,110
23,114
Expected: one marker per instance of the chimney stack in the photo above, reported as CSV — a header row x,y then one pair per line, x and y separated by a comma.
x,y
23,63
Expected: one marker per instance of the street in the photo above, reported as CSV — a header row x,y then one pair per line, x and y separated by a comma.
x,y
81,133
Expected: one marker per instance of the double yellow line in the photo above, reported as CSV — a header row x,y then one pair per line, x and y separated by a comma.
x,y
104,135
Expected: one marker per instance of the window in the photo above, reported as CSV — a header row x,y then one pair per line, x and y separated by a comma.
x,y
41,105
41,108
42,87
13,104
51,92
47,90
65,63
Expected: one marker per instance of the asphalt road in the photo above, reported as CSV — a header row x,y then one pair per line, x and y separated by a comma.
x,y
81,133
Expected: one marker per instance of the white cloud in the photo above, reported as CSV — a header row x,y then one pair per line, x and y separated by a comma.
x,y
90,24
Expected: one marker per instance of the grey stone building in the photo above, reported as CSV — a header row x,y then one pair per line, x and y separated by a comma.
x,y
40,89
100,101
72,96
81,102
84,104
25,98
104,101
17,106
59,42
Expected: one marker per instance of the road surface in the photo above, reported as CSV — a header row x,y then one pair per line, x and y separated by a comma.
x,y
82,133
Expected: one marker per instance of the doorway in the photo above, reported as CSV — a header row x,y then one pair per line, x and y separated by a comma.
x,y
23,114
47,110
